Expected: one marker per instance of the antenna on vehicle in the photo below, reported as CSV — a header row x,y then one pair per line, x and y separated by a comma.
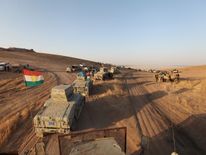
x,y
173,133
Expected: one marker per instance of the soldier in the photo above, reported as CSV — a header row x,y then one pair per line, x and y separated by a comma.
x,y
88,75
156,77
178,77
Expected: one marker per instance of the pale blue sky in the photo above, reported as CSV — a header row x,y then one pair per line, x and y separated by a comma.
x,y
135,32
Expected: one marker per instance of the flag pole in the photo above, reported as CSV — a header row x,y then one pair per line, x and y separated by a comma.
x,y
27,94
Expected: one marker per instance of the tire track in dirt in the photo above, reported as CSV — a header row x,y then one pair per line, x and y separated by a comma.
x,y
29,100
150,121
182,139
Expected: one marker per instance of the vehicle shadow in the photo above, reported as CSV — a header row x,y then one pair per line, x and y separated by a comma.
x,y
182,90
101,88
188,135
109,110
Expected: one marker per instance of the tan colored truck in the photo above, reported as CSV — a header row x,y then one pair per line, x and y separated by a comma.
x,y
110,141
82,86
103,74
113,70
60,112
166,76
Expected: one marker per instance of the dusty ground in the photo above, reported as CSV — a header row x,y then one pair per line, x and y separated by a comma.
x,y
152,112
149,110
19,104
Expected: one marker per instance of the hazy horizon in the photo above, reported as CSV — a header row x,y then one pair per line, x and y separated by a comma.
x,y
143,33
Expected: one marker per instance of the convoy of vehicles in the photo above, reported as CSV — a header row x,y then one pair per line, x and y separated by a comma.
x,y
16,68
61,112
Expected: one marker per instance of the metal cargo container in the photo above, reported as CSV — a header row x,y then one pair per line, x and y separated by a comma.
x,y
61,93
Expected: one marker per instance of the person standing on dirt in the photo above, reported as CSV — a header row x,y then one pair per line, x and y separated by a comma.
x,y
156,77
178,77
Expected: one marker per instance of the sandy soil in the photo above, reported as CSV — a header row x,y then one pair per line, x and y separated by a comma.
x,y
19,104
153,113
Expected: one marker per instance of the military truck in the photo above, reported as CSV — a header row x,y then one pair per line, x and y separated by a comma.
x,y
17,68
165,76
175,77
82,85
113,70
60,112
103,74
73,68
109,141
175,71
5,66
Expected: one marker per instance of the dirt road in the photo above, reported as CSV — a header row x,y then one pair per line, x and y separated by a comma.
x,y
147,109
19,104
153,113
157,115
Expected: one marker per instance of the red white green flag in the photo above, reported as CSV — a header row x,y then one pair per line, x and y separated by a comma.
x,y
33,78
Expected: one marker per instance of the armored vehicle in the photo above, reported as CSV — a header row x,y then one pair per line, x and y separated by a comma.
x,y
17,68
166,76
110,141
103,74
60,112
175,71
73,68
175,77
112,70
4,66
82,85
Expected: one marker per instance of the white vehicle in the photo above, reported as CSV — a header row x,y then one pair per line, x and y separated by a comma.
x,y
4,66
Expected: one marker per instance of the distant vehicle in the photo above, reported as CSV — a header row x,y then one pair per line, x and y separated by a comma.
x,y
73,68
103,74
5,66
82,85
17,68
175,71
164,76
113,70
60,112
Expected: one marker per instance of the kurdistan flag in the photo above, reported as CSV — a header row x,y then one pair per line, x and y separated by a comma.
x,y
33,78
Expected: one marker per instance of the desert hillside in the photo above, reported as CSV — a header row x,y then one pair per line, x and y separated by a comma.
x,y
160,117
55,63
